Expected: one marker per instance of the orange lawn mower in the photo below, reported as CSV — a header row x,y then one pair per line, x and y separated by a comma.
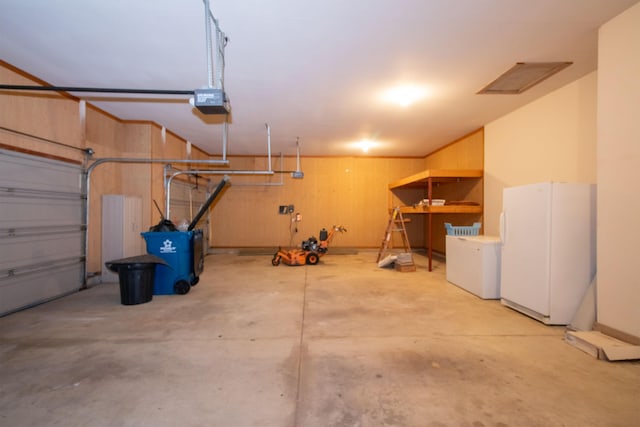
x,y
310,252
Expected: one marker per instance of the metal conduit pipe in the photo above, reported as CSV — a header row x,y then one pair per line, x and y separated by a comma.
x,y
220,44
99,162
298,155
221,63
225,132
261,184
168,168
165,172
204,172
97,90
207,30
50,141
167,181
268,144
87,187
268,184
214,20
143,161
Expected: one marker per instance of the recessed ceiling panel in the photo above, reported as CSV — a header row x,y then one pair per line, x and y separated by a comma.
x,y
523,76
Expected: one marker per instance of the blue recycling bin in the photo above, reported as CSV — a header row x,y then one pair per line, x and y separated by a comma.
x,y
183,253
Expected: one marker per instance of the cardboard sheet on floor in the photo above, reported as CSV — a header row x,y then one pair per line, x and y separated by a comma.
x,y
602,346
387,261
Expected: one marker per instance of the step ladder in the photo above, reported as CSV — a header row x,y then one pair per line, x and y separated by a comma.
x,y
396,224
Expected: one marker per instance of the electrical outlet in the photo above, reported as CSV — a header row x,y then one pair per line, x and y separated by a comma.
x,y
283,210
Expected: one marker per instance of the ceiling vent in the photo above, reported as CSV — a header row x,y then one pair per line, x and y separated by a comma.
x,y
522,76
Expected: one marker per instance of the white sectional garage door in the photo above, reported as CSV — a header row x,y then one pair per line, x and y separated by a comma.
x,y
41,230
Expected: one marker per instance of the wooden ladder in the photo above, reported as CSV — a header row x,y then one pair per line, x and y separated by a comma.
x,y
396,223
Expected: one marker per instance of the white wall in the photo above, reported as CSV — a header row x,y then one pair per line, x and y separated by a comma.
x,y
550,139
619,173
592,124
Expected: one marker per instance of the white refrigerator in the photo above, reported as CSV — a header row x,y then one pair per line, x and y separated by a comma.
x,y
548,233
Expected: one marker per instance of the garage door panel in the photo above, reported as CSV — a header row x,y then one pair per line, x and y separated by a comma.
x,y
19,212
50,176
41,230
41,248
53,282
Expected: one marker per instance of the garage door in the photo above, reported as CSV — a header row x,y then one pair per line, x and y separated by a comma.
x,y
41,230
186,201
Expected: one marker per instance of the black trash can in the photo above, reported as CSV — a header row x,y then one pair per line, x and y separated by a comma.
x,y
136,275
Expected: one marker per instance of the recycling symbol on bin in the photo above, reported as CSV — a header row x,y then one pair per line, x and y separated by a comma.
x,y
167,247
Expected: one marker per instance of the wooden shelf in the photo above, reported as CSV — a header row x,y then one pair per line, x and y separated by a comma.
x,y
427,182
447,209
421,179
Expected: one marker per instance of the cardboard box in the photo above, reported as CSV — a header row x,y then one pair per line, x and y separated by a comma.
x,y
602,346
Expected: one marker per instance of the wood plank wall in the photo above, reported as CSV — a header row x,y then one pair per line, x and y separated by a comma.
x,y
47,115
464,153
347,191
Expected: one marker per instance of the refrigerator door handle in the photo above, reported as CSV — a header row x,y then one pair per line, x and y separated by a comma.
x,y
503,234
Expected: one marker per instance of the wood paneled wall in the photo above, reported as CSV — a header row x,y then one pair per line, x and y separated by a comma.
x,y
347,191
47,115
464,153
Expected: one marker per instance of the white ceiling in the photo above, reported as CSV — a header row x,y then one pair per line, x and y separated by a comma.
x,y
311,69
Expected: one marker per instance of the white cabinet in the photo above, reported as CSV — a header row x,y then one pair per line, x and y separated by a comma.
x,y
121,228
473,263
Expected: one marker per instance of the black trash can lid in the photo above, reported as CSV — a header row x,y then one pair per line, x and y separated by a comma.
x,y
138,259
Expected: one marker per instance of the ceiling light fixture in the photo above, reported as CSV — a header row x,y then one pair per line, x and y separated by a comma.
x,y
404,95
365,144
523,76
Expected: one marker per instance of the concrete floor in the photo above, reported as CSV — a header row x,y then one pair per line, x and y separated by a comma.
x,y
342,343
